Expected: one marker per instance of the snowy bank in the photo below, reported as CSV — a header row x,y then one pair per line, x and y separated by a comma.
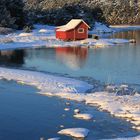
x,y
100,28
75,132
123,106
45,82
44,36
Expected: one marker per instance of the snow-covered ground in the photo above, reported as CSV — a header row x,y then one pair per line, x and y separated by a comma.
x,y
44,36
45,82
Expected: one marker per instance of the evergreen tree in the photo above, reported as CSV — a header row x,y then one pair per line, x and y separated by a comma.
x,y
11,14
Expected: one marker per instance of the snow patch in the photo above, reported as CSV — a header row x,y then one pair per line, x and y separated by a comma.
x,y
25,34
75,132
46,83
42,31
84,116
101,28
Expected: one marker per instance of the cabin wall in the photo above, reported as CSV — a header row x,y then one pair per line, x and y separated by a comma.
x,y
70,35
61,35
73,34
81,35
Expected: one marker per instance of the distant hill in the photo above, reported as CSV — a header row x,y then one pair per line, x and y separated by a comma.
x,y
17,13
109,11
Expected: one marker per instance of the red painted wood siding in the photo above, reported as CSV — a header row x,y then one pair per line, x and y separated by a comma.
x,y
73,34
81,35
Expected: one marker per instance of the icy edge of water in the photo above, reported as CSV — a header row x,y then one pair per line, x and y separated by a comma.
x,y
126,106
45,82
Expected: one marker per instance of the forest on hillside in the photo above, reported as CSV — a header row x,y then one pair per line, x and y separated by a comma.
x,y
19,13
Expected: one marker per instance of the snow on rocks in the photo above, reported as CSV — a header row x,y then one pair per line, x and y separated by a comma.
x,y
66,109
76,111
84,116
124,106
46,83
101,28
75,132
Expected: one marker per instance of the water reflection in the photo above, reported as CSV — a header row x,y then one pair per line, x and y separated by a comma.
x,y
74,58
15,57
116,64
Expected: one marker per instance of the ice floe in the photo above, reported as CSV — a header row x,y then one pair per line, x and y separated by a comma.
x,y
66,109
83,116
75,132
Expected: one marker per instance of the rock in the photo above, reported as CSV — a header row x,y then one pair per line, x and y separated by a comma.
x,y
76,111
132,41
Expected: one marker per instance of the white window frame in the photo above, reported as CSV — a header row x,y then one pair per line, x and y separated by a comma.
x,y
83,30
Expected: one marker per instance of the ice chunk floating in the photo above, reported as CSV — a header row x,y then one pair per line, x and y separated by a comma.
x,y
75,132
84,116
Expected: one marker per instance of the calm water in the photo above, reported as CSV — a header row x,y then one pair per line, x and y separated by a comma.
x,y
25,115
118,64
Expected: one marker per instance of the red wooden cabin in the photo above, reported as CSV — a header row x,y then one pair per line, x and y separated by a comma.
x,y
76,29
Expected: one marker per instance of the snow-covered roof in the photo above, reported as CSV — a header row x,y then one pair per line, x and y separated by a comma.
x,y
71,25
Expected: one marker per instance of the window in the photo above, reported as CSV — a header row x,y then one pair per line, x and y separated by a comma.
x,y
81,30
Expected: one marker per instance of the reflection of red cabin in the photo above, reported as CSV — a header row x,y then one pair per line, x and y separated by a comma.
x,y
76,29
